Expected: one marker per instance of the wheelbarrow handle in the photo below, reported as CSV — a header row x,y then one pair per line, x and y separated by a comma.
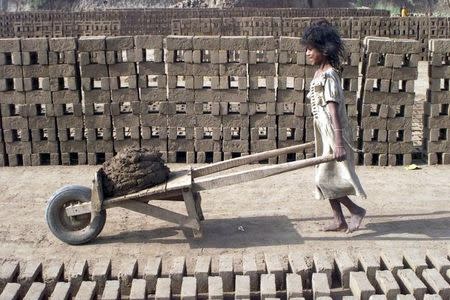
x,y
208,183
243,160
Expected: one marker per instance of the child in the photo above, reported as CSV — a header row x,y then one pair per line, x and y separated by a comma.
x,y
337,179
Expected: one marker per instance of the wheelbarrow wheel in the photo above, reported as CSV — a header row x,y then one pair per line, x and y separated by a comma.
x,y
73,230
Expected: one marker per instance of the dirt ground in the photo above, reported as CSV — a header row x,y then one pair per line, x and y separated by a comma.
x,y
406,209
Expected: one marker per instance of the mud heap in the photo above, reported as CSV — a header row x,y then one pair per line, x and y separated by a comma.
x,y
132,170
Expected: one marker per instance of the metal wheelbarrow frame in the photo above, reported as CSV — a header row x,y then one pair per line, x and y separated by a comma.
x,y
76,214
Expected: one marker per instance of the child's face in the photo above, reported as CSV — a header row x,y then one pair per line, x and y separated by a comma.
x,y
314,56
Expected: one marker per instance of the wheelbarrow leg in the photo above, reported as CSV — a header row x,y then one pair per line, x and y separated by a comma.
x,y
198,205
189,201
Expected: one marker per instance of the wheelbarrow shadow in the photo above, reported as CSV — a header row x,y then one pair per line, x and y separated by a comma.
x,y
218,233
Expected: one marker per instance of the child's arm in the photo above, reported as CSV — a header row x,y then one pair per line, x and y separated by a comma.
x,y
339,151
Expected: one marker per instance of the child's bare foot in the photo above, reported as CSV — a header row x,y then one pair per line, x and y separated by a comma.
x,y
356,220
335,226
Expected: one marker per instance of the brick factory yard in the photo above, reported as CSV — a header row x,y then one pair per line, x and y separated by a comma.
x,y
406,209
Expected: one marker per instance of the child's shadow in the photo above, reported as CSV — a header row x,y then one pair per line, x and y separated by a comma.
x,y
409,229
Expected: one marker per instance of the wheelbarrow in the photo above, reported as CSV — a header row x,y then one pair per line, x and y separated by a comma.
x,y
77,214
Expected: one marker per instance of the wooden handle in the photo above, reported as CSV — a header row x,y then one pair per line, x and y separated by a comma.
x,y
202,184
239,161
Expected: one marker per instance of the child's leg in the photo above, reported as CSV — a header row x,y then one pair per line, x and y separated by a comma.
x,y
357,212
338,217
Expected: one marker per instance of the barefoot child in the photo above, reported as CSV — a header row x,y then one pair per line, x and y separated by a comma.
x,y
337,179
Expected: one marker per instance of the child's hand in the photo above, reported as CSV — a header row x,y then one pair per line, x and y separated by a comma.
x,y
340,153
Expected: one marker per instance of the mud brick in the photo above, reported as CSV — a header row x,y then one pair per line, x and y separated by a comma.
x,y
62,44
151,272
274,266
291,70
179,42
378,297
320,285
438,260
138,289
441,146
322,264
291,44
101,273
379,72
439,46
176,273
294,287
13,158
405,73
251,270
360,285
410,283
61,291
88,290
94,71
11,291
268,287
436,283
91,43
10,45
8,273
215,288
386,284
405,297
432,297
163,289
201,273
298,265
415,260
344,264
242,287
31,272
402,46
369,263
77,274
189,288
111,290
261,43
226,272
52,274
393,60
262,69
36,291
128,271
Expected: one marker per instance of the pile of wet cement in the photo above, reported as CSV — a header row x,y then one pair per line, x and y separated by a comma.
x,y
132,170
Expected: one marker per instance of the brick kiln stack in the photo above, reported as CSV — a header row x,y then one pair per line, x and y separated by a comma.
x,y
96,98
389,71
290,105
436,118
16,133
152,83
66,99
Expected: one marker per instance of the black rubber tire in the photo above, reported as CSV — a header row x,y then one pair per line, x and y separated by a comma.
x,y
76,230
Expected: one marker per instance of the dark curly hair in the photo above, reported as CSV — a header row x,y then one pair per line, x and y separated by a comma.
x,y
322,36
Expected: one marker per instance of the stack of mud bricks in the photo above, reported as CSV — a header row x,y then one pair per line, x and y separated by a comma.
x,y
125,105
16,134
423,35
66,99
290,106
350,74
39,82
153,93
211,82
180,112
234,105
262,74
436,118
389,72
96,98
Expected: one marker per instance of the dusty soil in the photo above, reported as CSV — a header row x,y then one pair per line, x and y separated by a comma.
x,y
132,170
406,209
